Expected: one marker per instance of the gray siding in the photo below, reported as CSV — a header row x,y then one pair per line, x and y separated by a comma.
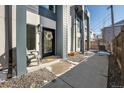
x,y
61,32
33,8
21,39
59,29
48,23
41,11
46,13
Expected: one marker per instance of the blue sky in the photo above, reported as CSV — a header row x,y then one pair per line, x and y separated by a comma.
x,y
101,17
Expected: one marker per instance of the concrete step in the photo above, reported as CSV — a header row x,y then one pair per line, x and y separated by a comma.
x,y
34,60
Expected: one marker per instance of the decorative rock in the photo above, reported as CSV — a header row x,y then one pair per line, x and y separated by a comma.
x,y
33,79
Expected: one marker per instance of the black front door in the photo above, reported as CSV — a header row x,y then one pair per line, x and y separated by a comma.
x,y
48,39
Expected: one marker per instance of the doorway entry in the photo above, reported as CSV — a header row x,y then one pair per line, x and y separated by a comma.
x,y
48,42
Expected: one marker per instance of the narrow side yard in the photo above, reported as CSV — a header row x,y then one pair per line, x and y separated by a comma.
x,y
49,69
92,73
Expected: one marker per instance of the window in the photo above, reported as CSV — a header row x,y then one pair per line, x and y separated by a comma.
x,y
31,37
78,22
45,6
50,7
78,25
79,42
85,29
85,21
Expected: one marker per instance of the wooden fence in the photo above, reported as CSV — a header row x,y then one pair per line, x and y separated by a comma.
x,y
118,51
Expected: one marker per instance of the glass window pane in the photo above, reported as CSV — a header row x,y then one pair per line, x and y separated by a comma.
x,y
49,7
46,6
31,37
78,42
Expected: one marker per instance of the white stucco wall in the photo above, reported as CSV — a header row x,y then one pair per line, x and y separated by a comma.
x,y
14,26
69,21
4,36
2,30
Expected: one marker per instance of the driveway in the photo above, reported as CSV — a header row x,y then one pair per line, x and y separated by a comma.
x,y
92,73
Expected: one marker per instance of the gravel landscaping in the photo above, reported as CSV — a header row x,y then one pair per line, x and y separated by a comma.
x,y
49,59
114,74
34,79
60,67
76,58
39,78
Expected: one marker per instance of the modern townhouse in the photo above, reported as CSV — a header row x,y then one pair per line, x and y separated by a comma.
x,y
108,35
78,29
43,30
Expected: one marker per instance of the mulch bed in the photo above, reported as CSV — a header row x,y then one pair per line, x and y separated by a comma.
x,y
34,79
114,74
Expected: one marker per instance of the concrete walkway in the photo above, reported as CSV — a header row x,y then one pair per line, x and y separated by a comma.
x,y
91,73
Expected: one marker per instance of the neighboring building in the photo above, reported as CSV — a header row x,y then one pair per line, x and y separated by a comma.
x,y
100,43
78,28
48,29
108,35
100,40
93,40
86,30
